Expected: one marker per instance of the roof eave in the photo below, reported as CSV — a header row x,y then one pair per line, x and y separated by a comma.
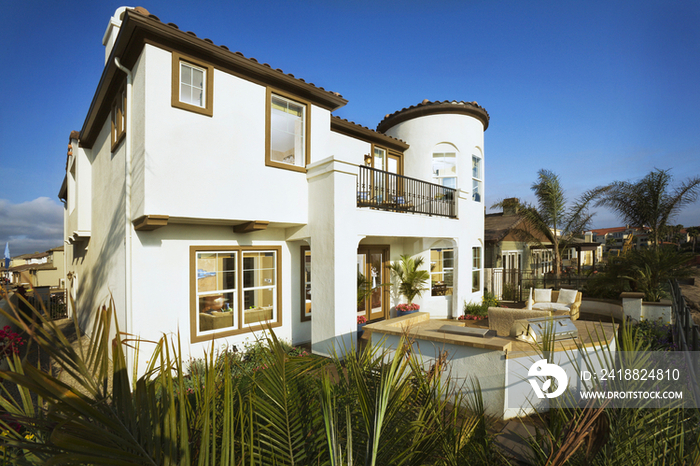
x,y
137,30
354,130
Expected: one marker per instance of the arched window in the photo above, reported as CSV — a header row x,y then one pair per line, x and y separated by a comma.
x,y
445,165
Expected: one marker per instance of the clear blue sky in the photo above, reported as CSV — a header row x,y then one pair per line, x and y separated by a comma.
x,y
596,91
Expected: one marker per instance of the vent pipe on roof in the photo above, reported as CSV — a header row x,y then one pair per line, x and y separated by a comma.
x,y
115,22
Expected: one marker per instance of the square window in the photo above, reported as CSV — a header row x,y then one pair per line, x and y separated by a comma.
x,y
192,85
287,133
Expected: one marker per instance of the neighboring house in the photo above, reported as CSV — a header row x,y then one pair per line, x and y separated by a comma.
x,y
39,269
212,195
509,257
615,239
506,247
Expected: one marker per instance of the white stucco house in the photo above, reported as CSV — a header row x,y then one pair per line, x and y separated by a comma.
x,y
211,194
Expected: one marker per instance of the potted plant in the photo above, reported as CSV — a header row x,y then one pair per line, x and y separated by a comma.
x,y
412,282
405,309
361,322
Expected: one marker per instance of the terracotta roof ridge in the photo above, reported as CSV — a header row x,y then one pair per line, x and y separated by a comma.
x,y
209,41
427,105
368,129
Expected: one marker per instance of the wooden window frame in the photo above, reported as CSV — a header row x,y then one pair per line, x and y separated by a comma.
x,y
479,181
241,329
208,108
302,279
268,130
444,270
118,118
478,269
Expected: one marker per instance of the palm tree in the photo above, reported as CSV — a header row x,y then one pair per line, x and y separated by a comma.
x,y
412,282
650,201
551,220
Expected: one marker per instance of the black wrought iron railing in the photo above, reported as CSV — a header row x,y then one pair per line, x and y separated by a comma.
x,y
382,190
53,304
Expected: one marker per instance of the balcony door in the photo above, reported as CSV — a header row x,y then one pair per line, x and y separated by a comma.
x,y
385,186
372,272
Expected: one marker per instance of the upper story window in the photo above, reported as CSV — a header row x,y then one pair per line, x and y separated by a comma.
x,y
477,179
118,126
379,158
192,85
287,132
445,169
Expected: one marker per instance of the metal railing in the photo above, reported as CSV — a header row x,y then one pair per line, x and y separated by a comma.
x,y
54,303
686,335
383,190
687,330
514,285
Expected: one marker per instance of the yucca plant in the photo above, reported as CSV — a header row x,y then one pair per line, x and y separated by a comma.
x,y
374,409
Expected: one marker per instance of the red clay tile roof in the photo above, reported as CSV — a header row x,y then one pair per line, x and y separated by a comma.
x,y
353,129
435,108
138,28
175,26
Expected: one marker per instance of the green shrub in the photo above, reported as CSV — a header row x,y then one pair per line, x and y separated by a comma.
x,y
481,309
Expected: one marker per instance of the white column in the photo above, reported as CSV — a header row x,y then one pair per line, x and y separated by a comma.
x,y
332,207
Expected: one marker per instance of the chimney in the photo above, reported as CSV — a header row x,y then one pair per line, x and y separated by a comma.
x,y
510,206
115,22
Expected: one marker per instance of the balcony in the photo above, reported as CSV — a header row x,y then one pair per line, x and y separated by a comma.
x,y
382,190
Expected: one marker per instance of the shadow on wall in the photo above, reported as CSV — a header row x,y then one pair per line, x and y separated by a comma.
x,y
93,284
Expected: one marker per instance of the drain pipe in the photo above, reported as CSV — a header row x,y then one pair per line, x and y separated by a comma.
x,y
127,199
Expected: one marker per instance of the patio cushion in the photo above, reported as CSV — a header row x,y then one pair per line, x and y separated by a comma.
x,y
551,306
567,296
543,295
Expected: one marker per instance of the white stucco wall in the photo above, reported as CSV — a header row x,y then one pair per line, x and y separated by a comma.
x,y
207,173
99,262
196,166
466,134
505,388
161,283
